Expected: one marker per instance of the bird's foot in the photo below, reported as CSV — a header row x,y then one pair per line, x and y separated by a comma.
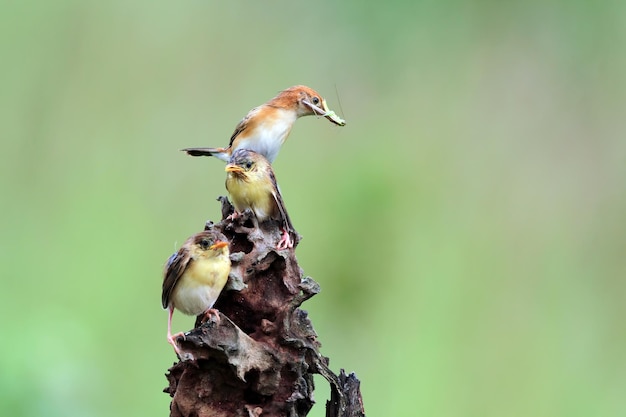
x,y
211,312
171,339
234,215
285,241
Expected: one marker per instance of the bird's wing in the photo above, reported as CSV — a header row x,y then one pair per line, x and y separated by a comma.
x,y
278,198
243,125
175,268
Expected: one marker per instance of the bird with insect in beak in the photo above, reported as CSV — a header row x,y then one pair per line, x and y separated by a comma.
x,y
251,183
194,277
265,128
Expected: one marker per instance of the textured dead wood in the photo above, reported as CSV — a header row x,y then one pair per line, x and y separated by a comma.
x,y
260,357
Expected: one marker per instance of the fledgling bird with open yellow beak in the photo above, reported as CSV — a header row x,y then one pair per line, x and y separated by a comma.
x,y
266,127
251,183
194,277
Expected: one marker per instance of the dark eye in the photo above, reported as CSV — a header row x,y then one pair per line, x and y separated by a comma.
x,y
205,243
249,164
316,100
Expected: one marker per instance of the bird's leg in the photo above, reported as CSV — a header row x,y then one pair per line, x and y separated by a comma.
x,y
211,312
171,339
285,241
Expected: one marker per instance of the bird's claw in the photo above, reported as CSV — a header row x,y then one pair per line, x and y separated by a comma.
x,y
285,241
211,312
233,216
172,341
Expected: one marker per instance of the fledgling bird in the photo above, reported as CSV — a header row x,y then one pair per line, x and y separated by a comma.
x,y
251,183
265,128
194,277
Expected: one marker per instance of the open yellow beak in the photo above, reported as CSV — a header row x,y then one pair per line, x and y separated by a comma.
x,y
233,168
219,244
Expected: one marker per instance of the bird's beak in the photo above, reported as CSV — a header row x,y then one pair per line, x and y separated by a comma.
x,y
219,244
325,112
233,168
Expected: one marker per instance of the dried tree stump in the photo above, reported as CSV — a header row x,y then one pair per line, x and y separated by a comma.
x,y
259,358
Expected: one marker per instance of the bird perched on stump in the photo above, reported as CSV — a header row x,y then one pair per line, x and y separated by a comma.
x,y
251,183
194,277
266,127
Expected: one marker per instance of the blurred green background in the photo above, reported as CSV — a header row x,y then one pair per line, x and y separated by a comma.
x,y
467,226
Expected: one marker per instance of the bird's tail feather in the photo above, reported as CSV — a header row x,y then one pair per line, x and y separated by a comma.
x,y
202,151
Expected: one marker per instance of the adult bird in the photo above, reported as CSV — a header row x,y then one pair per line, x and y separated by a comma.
x,y
265,128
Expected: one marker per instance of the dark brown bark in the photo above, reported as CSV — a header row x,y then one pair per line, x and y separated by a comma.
x,y
260,357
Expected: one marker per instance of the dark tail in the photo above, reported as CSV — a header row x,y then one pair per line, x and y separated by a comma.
x,y
201,151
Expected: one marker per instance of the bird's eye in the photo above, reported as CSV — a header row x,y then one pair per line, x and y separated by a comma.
x,y
316,100
248,164
205,243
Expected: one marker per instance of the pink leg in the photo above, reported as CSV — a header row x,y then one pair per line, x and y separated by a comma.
x,y
285,241
171,339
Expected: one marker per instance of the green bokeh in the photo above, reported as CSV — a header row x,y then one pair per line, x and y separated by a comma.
x,y
468,225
